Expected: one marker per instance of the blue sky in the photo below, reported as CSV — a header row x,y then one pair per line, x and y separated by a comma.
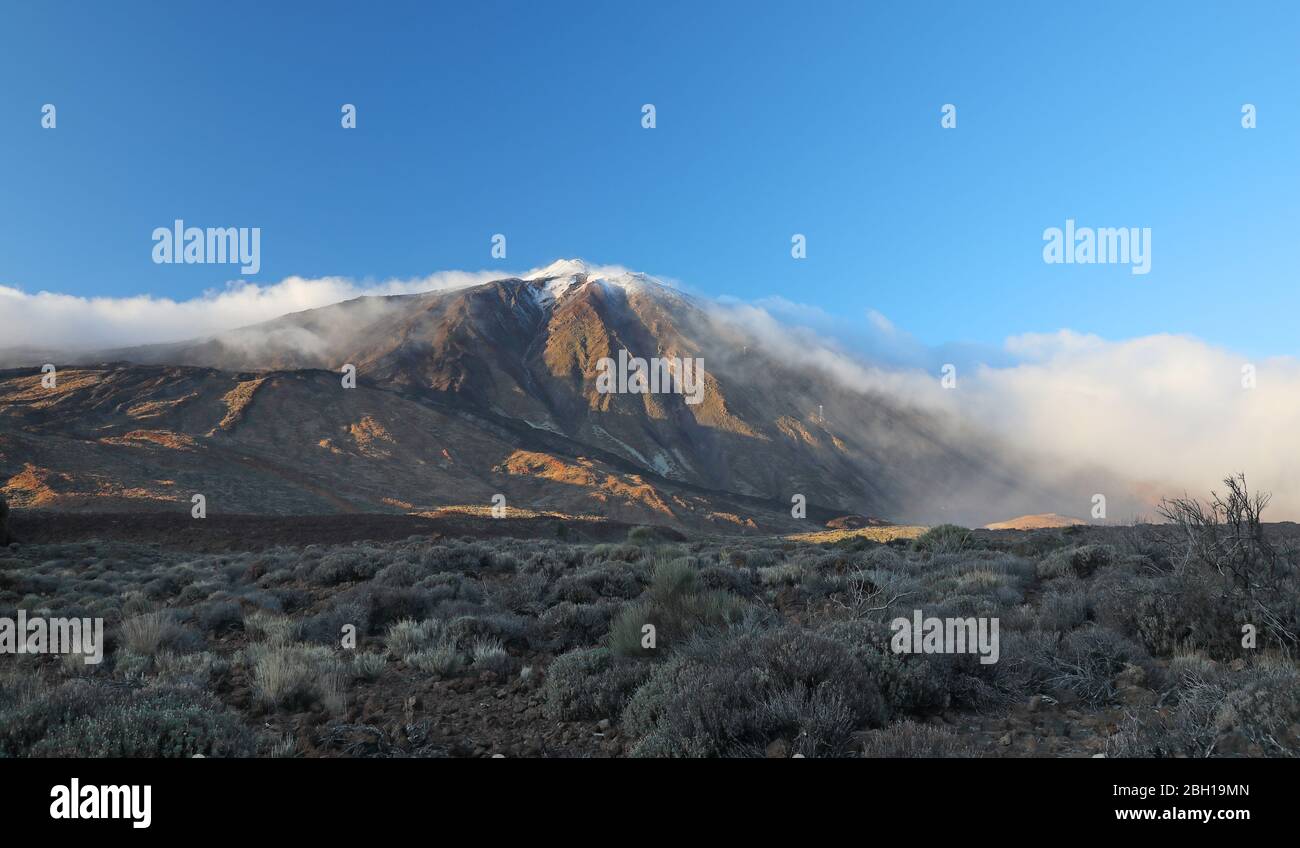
x,y
773,119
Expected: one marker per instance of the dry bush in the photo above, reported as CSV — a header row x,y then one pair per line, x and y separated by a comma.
x,y
1226,536
296,676
734,693
907,739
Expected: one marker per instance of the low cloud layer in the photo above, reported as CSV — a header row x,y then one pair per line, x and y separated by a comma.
x,y
1172,414
1075,415
60,322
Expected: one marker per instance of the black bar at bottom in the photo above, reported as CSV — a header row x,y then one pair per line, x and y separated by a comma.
x,y
329,797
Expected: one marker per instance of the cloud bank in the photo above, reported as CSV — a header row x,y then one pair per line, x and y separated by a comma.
x,y
1074,414
1172,414
60,322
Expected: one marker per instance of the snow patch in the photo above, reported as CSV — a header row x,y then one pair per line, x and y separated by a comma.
x,y
545,425
565,276
633,452
663,464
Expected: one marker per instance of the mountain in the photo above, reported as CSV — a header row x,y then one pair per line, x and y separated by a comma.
x,y
464,394
1035,522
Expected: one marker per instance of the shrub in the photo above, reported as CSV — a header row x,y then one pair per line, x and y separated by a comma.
x,y
368,666
1064,608
85,719
326,628
908,738
426,645
177,722
152,632
272,628
218,617
943,539
442,659
1025,661
735,693
1087,661
909,684
384,605
737,581
1228,554
503,627
197,670
490,655
785,574
1079,561
1255,713
1262,718
526,593
1115,596
676,607
284,748
604,580
570,625
295,676
641,536
591,683
1191,609
345,565
408,636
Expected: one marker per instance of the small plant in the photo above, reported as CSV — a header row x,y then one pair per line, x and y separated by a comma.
x,y
641,536
368,666
143,634
1080,561
285,748
151,632
272,628
427,645
157,722
591,684
943,539
489,654
909,739
733,694
675,607
297,676
441,659
407,636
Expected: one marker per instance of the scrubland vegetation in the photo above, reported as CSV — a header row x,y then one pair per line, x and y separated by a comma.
x,y
1124,641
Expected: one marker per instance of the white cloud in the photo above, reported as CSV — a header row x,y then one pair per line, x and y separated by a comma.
x,y
1075,414
50,321
1169,413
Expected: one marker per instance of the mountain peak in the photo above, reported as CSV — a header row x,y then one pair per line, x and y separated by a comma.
x,y
564,276
563,268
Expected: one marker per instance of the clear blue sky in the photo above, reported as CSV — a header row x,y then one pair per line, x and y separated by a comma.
x,y
813,117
